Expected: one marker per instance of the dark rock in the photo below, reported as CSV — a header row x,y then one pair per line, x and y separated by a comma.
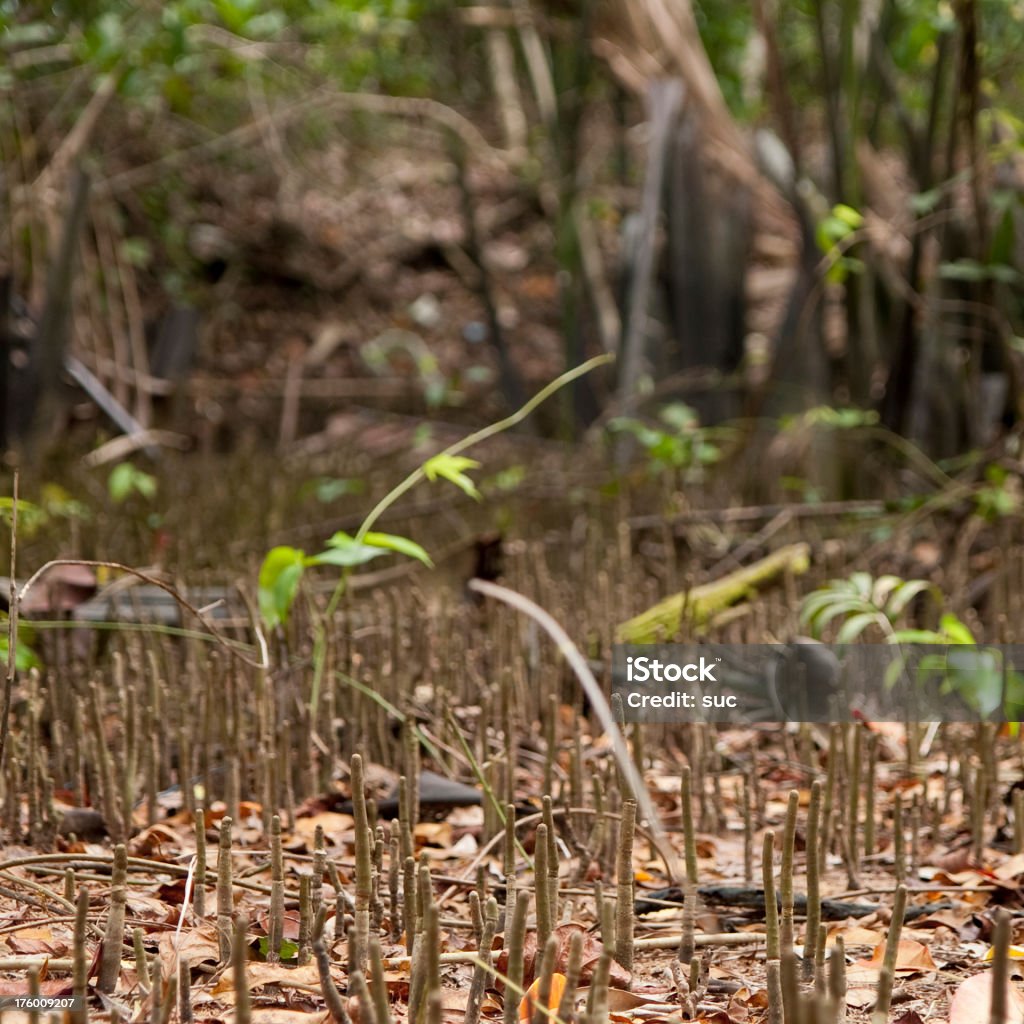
x,y
84,822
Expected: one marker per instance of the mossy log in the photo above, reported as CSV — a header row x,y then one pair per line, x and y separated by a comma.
x,y
698,605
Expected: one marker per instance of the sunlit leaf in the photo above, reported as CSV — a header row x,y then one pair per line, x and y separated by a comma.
x,y
955,630
843,606
848,215
401,545
125,480
24,657
916,636
344,550
862,584
452,468
882,588
854,626
278,583
903,595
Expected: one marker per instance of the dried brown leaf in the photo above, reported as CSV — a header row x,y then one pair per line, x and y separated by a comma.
x,y
973,998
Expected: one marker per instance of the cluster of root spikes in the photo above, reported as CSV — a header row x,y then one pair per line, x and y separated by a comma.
x,y
541,917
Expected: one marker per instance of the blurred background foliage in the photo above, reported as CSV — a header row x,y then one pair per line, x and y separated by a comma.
x,y
837,220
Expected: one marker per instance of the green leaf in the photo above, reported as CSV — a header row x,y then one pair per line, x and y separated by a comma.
x,y
263,26
955,630
402,545
925,202
136,251
916,636
962,270
679,415
817,600
813,603
903,595
862,584
847,215
345,550
507,479
972,270
976,677
125,480
31,33
24,657
328,488
843,606
279,578
854,626
883,588
996,475
452,468
288,950
30,516
344,558
893,671
849,418
1001,251
830,231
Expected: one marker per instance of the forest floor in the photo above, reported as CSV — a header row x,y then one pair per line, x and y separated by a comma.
x,y
345,343
422,677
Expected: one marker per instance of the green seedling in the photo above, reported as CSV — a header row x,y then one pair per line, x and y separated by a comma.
x,y
1000,495
126,480
284,567
287,951
861,601
979,676
679,444
378,355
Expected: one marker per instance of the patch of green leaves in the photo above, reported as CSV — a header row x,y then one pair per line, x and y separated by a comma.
x,y
287,952
506,480
831,231
973,271
1000,495
952,630
976,675
678,442
126,480
24,656
30,516
861,601
826,417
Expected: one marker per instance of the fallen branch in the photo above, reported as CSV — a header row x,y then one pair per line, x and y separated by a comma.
x,y
699,604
